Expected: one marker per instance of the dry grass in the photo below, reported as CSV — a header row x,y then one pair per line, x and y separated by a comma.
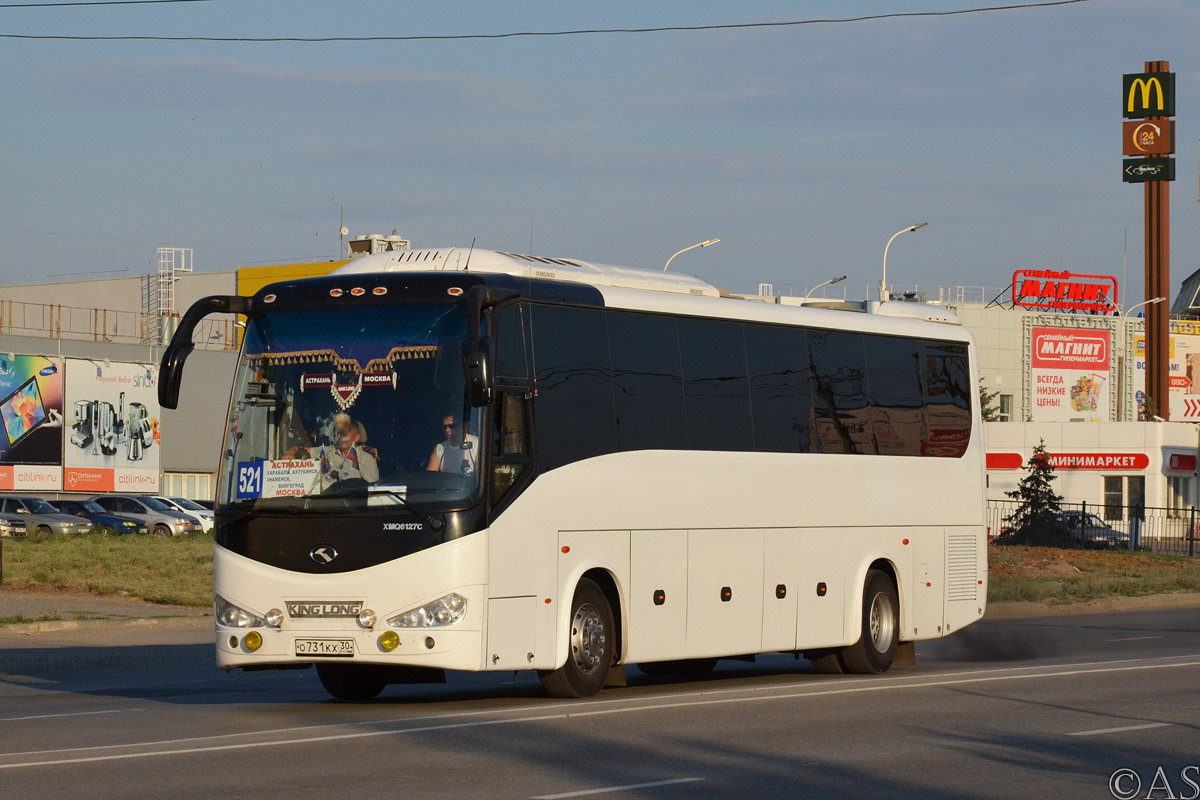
x,y
173,570
1047,574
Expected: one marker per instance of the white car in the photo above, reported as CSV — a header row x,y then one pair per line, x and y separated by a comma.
x,y
192,509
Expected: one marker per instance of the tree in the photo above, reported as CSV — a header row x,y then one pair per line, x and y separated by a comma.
x,y
987,408
1036,519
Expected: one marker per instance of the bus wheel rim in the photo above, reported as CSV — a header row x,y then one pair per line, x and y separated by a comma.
x,y
882,622
588,638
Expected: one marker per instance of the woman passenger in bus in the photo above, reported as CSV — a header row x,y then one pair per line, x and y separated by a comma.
x,y
348,458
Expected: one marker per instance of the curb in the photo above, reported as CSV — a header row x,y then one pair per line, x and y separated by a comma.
x,y
1015,610
137,623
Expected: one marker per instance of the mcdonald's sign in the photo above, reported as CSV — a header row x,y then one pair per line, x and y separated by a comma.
x,y
1148,94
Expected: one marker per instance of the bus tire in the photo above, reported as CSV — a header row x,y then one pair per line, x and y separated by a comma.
x,y
590,646
357,684
876,646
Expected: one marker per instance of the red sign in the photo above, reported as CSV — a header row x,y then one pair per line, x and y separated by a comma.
x,y
1064,291
1182,463
1180,381
88,479
1070,348
1114,461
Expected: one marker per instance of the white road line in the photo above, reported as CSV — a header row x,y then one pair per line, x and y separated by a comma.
x,y
608,789
1100,731
567,710
1134,639
74,714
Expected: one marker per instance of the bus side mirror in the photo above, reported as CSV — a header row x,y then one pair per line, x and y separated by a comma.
x,y
171,369
478,360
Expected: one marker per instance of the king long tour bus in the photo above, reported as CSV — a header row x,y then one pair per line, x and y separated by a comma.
x,y
473,460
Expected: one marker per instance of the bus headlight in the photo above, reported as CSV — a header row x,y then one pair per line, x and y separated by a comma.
x,y
231,616
441,612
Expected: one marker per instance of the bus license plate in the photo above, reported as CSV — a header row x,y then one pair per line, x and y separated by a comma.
x,y
325,647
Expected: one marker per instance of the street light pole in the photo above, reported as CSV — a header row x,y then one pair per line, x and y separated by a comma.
x,y
883,292
693,247
829,282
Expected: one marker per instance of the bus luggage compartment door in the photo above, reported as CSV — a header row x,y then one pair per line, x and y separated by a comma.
x,y
511,633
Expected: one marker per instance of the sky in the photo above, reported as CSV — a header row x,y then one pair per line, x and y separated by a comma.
x,y
804,147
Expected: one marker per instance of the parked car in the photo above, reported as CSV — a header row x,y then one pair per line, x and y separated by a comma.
x,y
191,508
12,525
1091,531
41,517
104,520
162,520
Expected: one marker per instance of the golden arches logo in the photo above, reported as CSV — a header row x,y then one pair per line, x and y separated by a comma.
x,y
1146,87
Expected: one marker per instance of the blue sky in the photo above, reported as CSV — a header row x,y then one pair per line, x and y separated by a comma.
x,y
803,147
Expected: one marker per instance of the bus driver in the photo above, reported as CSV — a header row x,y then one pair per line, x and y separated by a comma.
x,y
458,452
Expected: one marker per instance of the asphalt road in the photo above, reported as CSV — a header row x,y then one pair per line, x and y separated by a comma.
x,y
1037,707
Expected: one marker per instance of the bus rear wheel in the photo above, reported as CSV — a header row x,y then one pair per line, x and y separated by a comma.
x,y
590,646
876,646
356,684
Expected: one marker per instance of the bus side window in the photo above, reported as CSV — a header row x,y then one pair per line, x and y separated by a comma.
x,y
511,450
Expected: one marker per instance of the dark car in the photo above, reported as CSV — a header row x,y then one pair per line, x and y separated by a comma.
x,y
106,521
1091,531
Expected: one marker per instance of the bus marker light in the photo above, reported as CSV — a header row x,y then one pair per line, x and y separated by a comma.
x,y
660,597
273,618
821,589
927,585
905,541
781,591
253,641
367,618
566,548
389,640
547,601
726,594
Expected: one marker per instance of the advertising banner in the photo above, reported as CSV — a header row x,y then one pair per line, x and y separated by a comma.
x,y
1184,374
112,438
31,413
1069,374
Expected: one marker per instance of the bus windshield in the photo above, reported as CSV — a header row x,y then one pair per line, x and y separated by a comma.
x,y
352,401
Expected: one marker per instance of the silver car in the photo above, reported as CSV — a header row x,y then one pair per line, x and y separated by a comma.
x,y
162,520
12,525
191,508
41,517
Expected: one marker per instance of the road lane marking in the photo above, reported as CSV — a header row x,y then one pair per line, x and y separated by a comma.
x,y
1100,731
609,789
72,714
1134,639
568,710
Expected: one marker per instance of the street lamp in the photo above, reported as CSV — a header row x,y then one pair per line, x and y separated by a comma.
x,y
829,282
1143,303
693,247
883,292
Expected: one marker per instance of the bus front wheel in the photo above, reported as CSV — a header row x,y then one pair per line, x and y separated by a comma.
x,y
590,646
876,647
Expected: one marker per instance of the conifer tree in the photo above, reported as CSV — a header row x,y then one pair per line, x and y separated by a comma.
x,y
1036,519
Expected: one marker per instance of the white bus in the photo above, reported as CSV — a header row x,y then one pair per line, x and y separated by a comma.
x,y
471,460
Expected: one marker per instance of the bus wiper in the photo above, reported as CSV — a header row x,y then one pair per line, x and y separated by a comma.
x,y
367,491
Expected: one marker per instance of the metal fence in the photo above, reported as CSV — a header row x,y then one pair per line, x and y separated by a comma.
x,y
1155,530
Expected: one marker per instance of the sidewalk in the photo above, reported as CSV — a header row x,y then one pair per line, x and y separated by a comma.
x,y
49,611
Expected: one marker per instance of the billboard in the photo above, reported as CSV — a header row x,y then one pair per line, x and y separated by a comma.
x,y
1069,374
1183,375
112,439
31,414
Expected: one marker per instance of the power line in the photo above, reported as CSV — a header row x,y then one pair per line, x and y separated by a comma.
x,y
99,3
516,34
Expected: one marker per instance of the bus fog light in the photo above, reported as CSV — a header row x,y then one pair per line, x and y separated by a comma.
x,y
441,612
253,641
430,643
367,618
273,618
389,640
